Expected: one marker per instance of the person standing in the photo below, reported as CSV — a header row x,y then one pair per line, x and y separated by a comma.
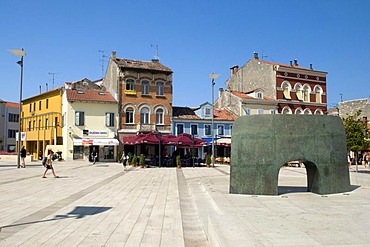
x,y
94,155
49,164
23,156
124,159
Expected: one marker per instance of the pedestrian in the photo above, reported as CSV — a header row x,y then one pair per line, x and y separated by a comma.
x,y
124,159
23,156
94,155
49,164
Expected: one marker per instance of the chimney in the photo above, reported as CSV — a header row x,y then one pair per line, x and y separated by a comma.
x,y
255,55
234,69
113,56
220,92
40,89
47,87
311,68
291,63
295,62
155,60
364,120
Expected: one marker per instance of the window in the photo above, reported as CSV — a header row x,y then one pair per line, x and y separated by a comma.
x,y
109,119
306,93
56,122
79,118
40,105
30,107
145,87
259,95
129,115
260,111
160,88
47,103
11,133
286,89
179,128
318,92
13,117
144,116
207,130
130,84
34,106
220,130
272,111
46,123
194,129
34,125
299,93
159,116
286,110
247,111
29,125
207,111
39,127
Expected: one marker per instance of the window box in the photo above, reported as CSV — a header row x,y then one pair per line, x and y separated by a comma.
x,y
130,92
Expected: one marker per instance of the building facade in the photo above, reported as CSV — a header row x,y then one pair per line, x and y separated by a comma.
x,y
296,90
42,121
198,122
143,91
9,125
90,123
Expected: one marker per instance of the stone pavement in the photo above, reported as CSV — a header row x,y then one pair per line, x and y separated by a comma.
x,y
103,205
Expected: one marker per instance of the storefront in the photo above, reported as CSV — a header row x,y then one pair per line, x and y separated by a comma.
x,y
106,149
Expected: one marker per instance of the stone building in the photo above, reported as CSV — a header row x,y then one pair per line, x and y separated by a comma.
x,y
350,107
143,90
292,88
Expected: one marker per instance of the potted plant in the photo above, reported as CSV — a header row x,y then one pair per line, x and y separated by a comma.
x,y
178,161
129,159
134,160
142,160
208,160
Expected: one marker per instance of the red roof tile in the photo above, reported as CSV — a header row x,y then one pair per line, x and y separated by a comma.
x,y
245,96
12,104
137,64
223,114
89,95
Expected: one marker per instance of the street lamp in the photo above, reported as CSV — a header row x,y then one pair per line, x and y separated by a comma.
x,y
213,77
21,54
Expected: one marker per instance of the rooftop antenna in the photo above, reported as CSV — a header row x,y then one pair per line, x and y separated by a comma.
x,y
102,60
53,74
262,56
156,57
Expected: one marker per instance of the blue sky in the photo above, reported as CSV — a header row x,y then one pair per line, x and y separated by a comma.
x,y
195,38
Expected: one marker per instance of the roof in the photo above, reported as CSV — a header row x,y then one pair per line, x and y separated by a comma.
x,y
12,104
285,65
223,114
245,96
137,64
184,112
89,95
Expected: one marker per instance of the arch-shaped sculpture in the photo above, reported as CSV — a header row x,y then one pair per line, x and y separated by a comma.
x,y
261,144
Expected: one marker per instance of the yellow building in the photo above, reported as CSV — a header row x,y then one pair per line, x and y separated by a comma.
x,y
42,121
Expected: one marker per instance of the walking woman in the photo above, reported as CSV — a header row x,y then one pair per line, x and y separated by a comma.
x,y
49,164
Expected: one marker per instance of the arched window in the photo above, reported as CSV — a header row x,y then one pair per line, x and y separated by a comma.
x,y
286,110
307,111
130,84
306,93
299,91
160,88
318,93
145,87
286,89
144,115
129,115
298,111
318,112
159,116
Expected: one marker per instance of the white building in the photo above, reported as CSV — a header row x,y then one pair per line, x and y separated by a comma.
x,y
90,120
9,125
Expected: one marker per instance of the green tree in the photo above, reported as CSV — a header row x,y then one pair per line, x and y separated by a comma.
x,y
357,135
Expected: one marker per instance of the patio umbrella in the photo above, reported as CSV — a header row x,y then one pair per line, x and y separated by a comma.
x,y
224,142
185,139
128,140
147,138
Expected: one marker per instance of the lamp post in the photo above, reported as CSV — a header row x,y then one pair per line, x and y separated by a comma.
x,y
213,77
20,53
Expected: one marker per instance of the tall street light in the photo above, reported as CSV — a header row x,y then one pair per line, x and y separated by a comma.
x,y
213,77
21,54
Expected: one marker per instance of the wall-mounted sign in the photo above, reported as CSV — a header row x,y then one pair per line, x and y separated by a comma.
x,y
95,133
23,136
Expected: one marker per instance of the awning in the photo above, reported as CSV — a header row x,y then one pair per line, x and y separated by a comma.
x,y
95,142
224,142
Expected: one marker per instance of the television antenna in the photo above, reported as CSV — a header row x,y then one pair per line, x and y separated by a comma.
x,y
102,60
156,57
262,56
53,77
